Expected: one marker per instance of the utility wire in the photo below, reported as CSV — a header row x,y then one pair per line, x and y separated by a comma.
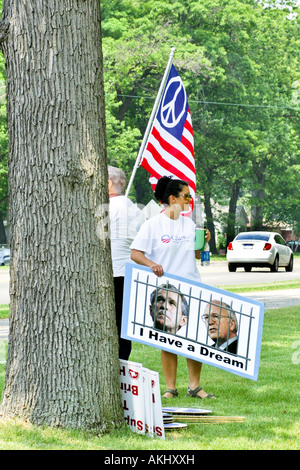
x,y
221,103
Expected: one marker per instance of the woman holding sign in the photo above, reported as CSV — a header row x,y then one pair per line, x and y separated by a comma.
x,y
166,243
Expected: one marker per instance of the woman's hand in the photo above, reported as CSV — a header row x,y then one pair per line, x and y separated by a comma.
x,y
139,258
157,269
207,235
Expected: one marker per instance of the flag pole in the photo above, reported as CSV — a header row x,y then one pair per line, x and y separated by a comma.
x,y
150,122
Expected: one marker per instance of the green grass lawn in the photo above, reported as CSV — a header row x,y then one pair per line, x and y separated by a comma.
x,y
270,405
4,311
263,286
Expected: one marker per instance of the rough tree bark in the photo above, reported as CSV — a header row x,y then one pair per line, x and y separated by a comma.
x,y
231,220
258,196
62,365
210,221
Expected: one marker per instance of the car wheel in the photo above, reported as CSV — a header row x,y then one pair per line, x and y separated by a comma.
x,y
231,268
289,267
275,265
247,269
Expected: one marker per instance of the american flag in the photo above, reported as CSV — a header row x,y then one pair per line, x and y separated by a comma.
x,y
170,146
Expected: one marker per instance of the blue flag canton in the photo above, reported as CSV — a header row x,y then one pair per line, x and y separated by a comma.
x,y
173,108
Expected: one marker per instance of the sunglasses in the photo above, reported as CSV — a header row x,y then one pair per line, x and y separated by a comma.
x,y
188,197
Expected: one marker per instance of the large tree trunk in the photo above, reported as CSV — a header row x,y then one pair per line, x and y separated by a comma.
x,y
231,220
210,221
3,239
62,365
258,196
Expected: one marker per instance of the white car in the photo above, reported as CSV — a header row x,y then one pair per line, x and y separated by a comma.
x,y
5,257
259,249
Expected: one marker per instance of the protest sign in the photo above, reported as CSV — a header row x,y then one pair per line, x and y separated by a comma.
x,y
192,319
141,399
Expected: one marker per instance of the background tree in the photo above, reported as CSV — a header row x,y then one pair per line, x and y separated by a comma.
x,y
237,59
138,37
62,365
241,116
3,153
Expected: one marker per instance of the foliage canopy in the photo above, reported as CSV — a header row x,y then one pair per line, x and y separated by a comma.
x,y
238,63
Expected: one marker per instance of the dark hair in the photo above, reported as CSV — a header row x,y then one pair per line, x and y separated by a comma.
x,y
166,187
170,288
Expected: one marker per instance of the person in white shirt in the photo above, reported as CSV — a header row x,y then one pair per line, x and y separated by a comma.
x,y
166,244
125,221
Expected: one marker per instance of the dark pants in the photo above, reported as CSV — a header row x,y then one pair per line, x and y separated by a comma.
x,y
124,344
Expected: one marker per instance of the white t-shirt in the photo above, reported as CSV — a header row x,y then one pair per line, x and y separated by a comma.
x,y
170,243
125,221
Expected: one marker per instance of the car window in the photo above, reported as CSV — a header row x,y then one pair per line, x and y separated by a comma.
x,y
252,236
281,240
278,239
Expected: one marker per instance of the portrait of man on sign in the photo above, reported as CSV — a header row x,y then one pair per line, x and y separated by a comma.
x,y
222,325
168,308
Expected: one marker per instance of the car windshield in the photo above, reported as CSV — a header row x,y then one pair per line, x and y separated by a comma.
x,y
252,236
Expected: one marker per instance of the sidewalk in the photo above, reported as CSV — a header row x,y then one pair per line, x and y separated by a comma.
x,y
280,298
4,326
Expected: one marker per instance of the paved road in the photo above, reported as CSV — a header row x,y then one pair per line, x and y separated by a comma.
x,y
217,274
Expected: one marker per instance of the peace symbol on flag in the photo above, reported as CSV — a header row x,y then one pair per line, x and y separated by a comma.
x,y
173,105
